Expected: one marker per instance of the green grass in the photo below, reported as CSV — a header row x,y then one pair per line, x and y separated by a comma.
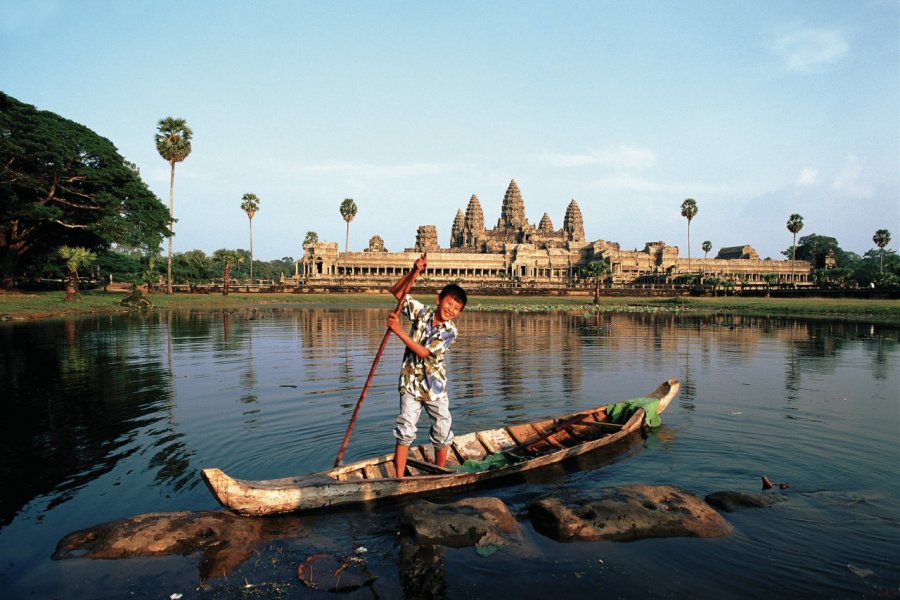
x,y
19,306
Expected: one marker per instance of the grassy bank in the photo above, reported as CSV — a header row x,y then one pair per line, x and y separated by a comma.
x,y
40,305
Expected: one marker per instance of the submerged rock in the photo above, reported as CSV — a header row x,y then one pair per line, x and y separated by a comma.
x,y
732,501
225,539
625,514
469,522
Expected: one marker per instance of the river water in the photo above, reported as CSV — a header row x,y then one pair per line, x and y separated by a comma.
x,y
110,417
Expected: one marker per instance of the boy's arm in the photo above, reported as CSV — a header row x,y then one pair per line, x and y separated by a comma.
x,y
400,288
395,326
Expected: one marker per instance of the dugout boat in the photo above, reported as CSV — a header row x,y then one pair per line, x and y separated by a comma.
x,y
475,457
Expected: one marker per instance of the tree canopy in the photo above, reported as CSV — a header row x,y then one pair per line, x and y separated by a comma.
x,y
63,184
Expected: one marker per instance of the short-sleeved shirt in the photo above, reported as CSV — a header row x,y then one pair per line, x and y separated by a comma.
x,y
425,378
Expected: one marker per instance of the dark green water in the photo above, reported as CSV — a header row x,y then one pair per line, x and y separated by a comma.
x,y
111,417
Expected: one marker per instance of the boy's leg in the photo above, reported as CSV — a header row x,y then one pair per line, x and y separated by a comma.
x,y
440,456
401,452
405,431
441,435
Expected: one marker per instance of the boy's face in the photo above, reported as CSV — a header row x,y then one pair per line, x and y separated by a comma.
x,y
448,308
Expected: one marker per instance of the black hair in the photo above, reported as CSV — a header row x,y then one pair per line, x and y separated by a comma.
x,y
451,289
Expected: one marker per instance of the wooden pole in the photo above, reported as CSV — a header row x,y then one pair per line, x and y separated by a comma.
x,y
400,290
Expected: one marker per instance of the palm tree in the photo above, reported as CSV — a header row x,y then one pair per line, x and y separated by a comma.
x,y
74,257
707,246
599,271
348,211
250,205
228,259
882,238
311,238
173,142
689,211
794,225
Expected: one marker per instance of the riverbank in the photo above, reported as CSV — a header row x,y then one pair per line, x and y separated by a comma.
x,y
17,306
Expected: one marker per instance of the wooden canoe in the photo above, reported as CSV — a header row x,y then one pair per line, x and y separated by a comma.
x,y
529,446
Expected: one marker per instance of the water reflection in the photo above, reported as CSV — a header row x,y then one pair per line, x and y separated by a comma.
x,y
115,415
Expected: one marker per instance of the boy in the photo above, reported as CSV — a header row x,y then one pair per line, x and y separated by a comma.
x,y
423,378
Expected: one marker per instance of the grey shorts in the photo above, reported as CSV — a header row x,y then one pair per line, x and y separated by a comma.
x,y
439,413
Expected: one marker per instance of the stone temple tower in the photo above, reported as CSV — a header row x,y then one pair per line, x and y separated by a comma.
x,y
456,232
512,212
573,224
473,225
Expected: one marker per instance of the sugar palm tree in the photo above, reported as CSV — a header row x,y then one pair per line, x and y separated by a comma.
x,y
74,258
311,238
250,205
228,259
882,238
348,211
173,142
707,246
794,225
599,271
689,211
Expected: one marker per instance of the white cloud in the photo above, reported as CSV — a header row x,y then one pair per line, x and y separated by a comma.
x,y
621,157
808,177
373,170
806,49
640,184
849,180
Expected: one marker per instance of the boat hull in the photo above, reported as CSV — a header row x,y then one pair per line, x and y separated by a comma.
x,y
534,445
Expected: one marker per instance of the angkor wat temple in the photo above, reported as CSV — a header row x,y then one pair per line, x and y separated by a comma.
x,y
518,254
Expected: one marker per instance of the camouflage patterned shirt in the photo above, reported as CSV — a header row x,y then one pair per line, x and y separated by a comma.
x,y
425,378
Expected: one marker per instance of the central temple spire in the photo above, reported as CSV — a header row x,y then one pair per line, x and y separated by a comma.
x,y
512,213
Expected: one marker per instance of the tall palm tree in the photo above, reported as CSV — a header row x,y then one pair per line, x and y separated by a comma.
x,y
689,211
250,205
882,238
173,142
707,246
348,211
794,225
74,258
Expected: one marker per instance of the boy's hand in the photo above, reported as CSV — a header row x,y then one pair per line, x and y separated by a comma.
x,y
393,323
420,264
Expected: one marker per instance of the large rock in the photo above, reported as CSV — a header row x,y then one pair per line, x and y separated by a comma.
x,y
624,514
481,522
225,539
732,501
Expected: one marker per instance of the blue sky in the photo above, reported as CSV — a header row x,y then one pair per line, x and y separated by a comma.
x,y
755,109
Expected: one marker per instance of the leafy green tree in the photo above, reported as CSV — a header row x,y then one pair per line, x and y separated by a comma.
x,y
815,248
707,246
228,259
62,184
191,267
74,257
882,238
173,142
689,211
250,205
311,238
348,211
